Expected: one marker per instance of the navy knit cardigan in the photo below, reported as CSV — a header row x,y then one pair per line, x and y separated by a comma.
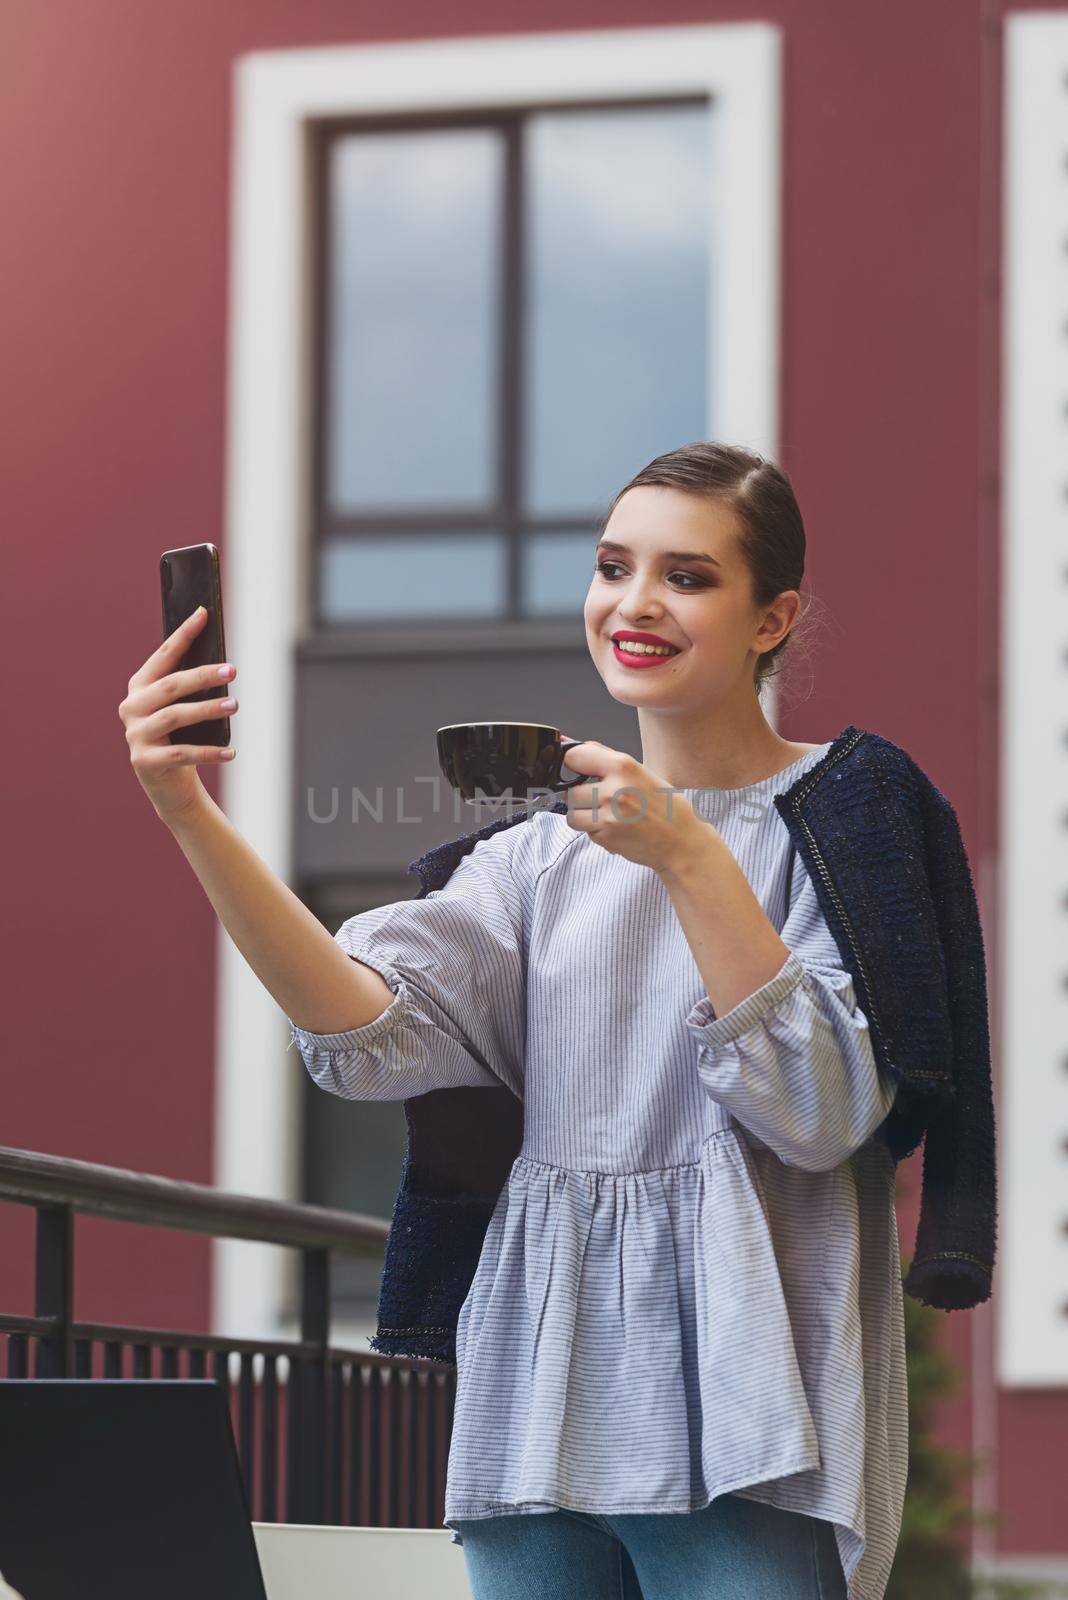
x,y
884,851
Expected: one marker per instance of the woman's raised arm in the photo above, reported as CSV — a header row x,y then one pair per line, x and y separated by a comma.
x,y
292,954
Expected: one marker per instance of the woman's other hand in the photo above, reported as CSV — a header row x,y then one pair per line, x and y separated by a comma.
x,y
628,810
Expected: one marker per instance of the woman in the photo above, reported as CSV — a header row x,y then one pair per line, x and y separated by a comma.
x,y
680,1365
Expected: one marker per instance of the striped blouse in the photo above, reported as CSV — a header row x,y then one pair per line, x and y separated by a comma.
x,y
690,1285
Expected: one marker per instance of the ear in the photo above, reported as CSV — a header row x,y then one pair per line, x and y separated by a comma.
x,y
778,620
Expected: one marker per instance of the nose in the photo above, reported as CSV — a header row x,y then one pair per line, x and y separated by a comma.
x,y
640,611
640,605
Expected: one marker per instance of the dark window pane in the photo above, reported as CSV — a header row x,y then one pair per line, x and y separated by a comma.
x,y
355,1152
414,284
615,342
413,575
353,1149
557,569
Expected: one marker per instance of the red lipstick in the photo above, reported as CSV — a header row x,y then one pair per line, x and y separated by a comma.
x,y
642,658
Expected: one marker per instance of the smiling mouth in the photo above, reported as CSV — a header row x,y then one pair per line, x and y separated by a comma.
x,y
631,647
642,658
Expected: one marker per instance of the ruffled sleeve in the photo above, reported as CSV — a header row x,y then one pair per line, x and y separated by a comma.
x,y
793,1062
455,961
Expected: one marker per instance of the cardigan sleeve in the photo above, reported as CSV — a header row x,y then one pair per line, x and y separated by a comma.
x,y
455,960
793,1061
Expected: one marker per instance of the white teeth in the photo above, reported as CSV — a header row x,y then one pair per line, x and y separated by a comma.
x,y
643,649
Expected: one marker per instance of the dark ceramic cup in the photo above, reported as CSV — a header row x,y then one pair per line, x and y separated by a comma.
x,y
497,760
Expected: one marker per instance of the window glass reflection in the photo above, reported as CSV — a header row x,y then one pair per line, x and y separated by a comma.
x,y
557,570
414,285
413,576
617,226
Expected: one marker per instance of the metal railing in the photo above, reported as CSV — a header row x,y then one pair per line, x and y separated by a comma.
x,y
324,1435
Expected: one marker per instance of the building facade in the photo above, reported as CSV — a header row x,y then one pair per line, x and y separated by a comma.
x,y
389,320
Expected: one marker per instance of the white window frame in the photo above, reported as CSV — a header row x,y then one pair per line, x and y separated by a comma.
x,y
276,96
1032,1290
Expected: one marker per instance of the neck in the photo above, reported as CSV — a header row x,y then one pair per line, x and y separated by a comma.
x,y
726,748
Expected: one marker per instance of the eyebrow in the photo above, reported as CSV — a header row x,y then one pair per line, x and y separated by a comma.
x,y
668,555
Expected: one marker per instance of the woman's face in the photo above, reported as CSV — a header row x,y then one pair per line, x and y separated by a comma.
x,y
681,578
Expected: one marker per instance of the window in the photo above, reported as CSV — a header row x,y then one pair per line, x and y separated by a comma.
x,y
513,320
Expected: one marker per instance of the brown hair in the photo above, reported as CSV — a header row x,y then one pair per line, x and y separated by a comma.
x,y
771,533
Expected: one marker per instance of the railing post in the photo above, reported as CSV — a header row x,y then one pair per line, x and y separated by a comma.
x,y
308,1429
54,1293
311,1433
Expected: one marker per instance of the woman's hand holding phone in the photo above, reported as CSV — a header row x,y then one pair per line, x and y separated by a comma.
x,y
153,707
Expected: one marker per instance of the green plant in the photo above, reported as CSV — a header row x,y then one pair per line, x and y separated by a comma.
x,y
932,1560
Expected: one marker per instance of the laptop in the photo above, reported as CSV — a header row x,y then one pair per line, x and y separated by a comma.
x,y
121,1489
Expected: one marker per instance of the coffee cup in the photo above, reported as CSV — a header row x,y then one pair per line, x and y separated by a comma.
x,y
496,760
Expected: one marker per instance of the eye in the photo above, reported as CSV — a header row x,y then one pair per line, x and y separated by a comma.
x,y
692,582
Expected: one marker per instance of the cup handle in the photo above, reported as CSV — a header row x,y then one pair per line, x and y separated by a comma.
x,y
583,777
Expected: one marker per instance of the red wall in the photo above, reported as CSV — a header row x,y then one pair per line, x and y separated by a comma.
x,y
116,121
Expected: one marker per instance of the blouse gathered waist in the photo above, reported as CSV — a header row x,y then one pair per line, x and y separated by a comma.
x,y
690,1281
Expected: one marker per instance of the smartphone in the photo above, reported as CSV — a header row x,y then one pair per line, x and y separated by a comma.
x,y
189,577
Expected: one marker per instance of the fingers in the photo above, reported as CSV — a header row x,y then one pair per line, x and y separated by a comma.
x,y
151,695
184,755
184,712
177,641
146,727
593,750
583,797
171,650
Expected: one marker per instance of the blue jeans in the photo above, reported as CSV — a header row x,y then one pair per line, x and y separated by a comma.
x,y
733,1549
